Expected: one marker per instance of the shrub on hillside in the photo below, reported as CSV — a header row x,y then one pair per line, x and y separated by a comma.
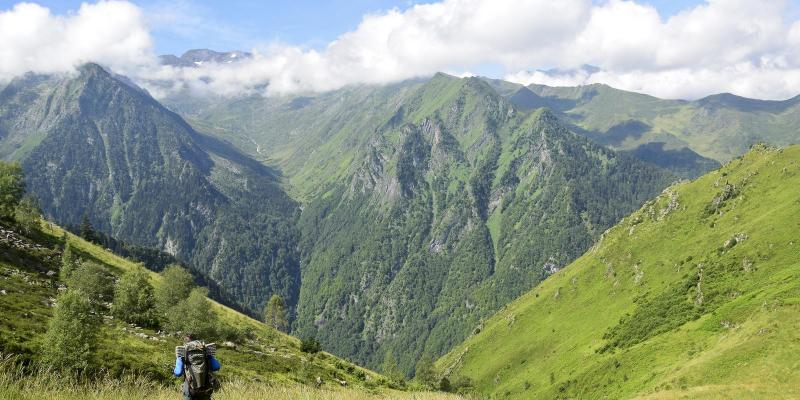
x,y
176,284
309,344
69,262
424,372
134,301
27,214
12,188
71,337
275,314
92,280
194,314
390,368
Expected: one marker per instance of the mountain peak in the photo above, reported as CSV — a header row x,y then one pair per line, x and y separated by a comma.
x,y
197,57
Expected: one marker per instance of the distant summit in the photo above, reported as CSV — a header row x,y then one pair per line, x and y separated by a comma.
x,y
197,57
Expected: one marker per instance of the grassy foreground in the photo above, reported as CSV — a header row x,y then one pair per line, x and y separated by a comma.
x,y
16,384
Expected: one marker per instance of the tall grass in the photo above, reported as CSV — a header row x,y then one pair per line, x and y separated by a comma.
x,y
20,382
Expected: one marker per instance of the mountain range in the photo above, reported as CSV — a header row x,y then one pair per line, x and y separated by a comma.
x,y
392,219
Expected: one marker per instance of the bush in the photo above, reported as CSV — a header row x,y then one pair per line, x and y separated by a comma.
x,y
69,262
72,334
237,332
27,214
175,287
424,372
275,314
194,314
12,188
390,368
92,280
134,301
309,344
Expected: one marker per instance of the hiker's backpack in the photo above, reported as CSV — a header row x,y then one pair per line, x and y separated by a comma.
x,y
197,367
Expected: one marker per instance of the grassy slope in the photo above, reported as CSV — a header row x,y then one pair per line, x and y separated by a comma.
x,y
743,342
272,357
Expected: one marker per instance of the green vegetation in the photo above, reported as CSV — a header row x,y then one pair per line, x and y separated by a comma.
x,y
67,330
71,338
275,314
458,204
390,369
692,296
92,281
176,284
684,136
17,382
12,188
195,315
428,204
309,344
118,348
112,160
134,301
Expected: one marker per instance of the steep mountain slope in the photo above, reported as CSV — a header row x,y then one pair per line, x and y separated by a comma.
x,y
717,127
695,295
457,204
29,283
93,145
312,139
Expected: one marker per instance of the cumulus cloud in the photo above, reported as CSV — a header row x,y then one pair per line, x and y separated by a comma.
x,y
747,47
108,32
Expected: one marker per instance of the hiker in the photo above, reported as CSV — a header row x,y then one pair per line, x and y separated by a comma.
x,y
194,361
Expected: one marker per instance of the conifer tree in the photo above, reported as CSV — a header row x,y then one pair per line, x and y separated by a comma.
x,y
87,230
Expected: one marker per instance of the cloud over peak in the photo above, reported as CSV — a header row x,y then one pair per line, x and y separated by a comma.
x,y
747,47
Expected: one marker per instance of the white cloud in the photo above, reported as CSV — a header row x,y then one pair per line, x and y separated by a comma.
x,y
742,46
109,32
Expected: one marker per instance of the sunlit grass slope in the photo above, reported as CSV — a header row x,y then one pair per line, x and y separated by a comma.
x,y
270,363
696,295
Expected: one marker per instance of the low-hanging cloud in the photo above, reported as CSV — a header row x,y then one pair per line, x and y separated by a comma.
x,y
747,47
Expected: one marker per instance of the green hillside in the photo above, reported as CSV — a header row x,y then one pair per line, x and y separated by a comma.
x,y
30,283
693,296
135,362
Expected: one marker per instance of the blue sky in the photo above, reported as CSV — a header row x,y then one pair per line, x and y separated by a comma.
x,y
243,24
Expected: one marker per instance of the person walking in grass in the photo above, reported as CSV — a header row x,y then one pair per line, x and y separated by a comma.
x,y
195,361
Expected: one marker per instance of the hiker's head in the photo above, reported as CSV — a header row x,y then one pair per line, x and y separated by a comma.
x,y
189,337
